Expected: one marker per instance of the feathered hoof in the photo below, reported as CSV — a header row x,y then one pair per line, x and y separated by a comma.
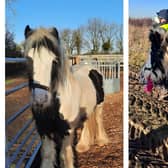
x,y
82,148
102,142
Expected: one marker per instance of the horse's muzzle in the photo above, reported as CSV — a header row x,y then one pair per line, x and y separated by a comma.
x,y
40,97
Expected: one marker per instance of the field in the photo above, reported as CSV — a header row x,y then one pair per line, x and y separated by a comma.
x,y
138,45
148,116
148,127
110,156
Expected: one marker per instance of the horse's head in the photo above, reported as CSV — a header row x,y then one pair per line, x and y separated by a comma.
x,y
156,67
43,51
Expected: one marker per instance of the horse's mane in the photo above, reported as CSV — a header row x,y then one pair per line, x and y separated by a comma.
x,y
42,38
48,38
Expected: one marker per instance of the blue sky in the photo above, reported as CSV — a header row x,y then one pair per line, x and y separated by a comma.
x,y
62,13
146,8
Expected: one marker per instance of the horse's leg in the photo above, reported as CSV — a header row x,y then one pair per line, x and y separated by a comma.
x,y
87,134
48,153
84,144
67,156
101,136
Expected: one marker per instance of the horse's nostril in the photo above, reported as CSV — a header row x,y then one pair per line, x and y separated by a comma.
x,y
37,105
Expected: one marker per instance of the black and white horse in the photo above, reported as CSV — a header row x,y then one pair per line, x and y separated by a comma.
x,y
156,67
61,98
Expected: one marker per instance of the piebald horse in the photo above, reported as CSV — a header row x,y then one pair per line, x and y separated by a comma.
x,y
62,98
156,66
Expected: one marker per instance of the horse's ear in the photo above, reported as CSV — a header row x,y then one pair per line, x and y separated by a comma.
x,y
27,31
54,32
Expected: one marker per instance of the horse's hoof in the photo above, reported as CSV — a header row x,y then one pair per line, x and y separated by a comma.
x,y
82,148
102,142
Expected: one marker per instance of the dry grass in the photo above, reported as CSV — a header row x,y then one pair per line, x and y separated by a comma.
x,y
138,45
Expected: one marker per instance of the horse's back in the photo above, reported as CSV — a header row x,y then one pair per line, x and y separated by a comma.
x,y
91,83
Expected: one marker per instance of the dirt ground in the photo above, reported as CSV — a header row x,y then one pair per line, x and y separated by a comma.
x,y
110,156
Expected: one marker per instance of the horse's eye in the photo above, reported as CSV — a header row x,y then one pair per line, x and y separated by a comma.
x,y
55,61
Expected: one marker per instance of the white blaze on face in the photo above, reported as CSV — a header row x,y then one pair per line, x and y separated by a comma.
x,y
147,72
42,65
156,19
148,63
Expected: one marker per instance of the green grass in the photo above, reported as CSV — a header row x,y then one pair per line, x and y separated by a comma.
x,y
12,166
9,81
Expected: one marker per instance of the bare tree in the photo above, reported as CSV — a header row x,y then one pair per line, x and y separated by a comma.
x,y
100,35
108,35
10,13
119,39
9,5
92,36
11,48
106,46
78,40
108,32
67,38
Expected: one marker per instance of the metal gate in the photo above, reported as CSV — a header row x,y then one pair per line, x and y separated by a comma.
x,y
23,142
110,69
